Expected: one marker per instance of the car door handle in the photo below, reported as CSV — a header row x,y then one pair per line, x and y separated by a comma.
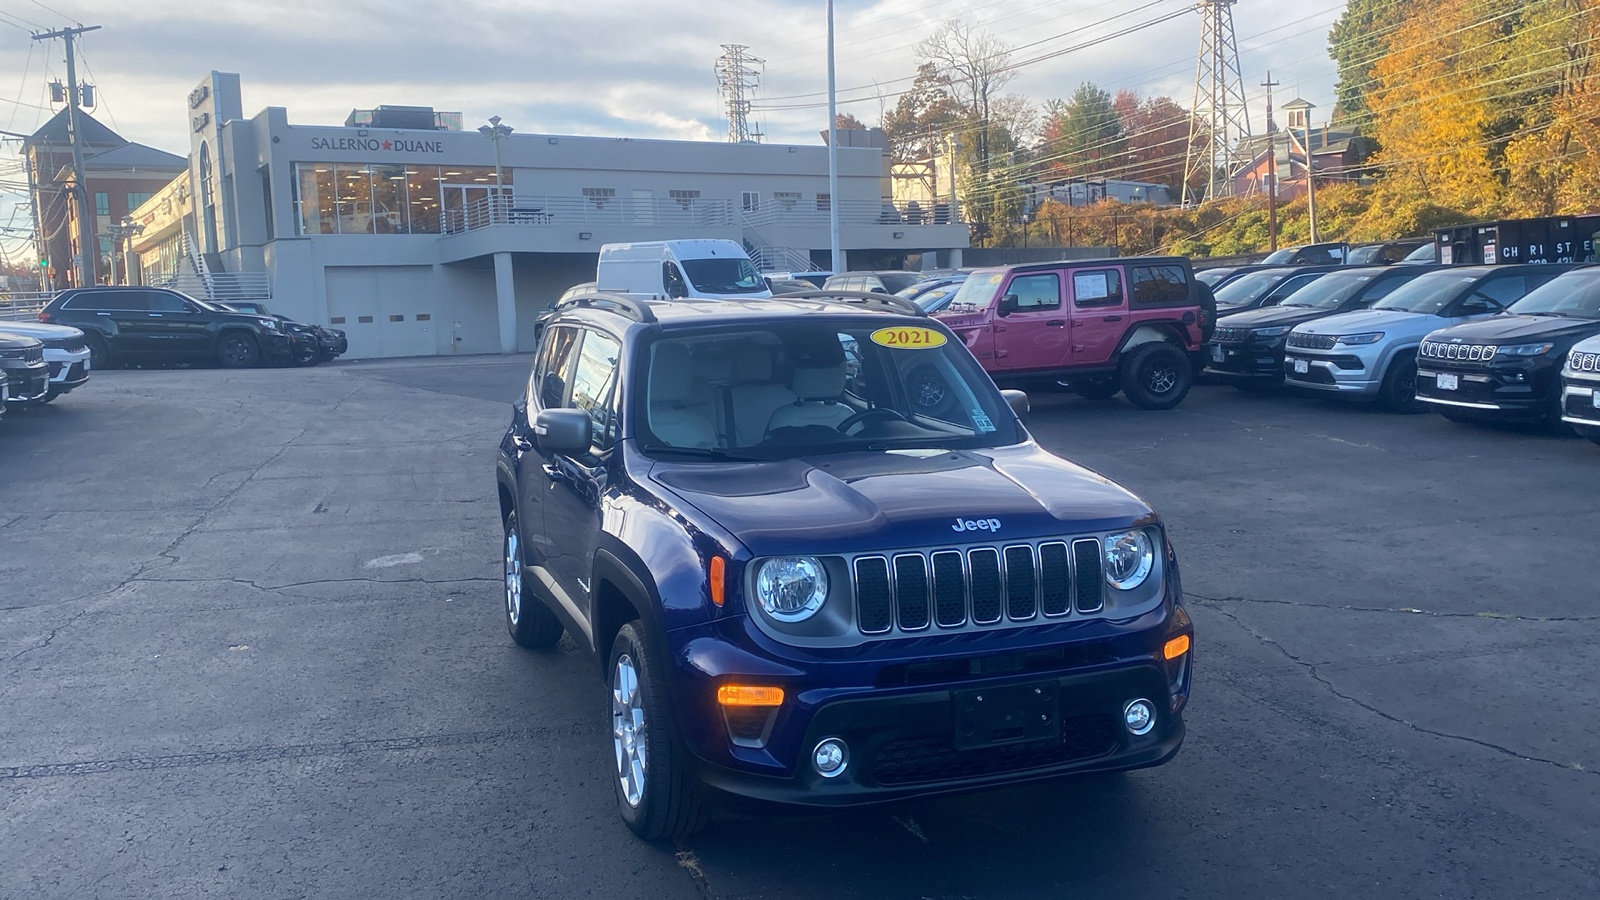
x,y
103,314
522,444
155,315
1057,323
1112,319
555,473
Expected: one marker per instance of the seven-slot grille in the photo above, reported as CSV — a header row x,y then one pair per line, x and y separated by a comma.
x,y
1313,341
1231,335
1584,362
1457,352
911,592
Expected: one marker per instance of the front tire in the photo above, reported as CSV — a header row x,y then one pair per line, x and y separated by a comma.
x,y
1399,391
1156,375
99,353
530,622
1095,388
656,793
1588,431
237,350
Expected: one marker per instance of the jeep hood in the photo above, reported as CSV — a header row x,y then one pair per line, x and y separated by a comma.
x,y
41,331
1392,323
851,502
1514,329
1274,316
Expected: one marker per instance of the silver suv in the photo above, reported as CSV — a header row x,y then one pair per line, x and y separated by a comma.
x,y
1372,353
1580,389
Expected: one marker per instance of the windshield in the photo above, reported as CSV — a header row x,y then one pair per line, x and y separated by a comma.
x,y
1330,291
1431,292
817,385
724,275
976,293
896,282
1210,277
937,298
1247,289
1361,256
1575,294
1278,257
1425,253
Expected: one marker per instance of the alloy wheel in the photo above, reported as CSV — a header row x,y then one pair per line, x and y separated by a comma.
x,y
1161,378
513,577
628,730
237,350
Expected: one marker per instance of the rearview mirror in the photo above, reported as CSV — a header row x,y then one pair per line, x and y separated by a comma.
x,y
562,430
1018,401
1008,305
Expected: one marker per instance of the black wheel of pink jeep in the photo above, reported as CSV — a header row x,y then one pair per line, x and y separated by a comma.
x,y
1156,375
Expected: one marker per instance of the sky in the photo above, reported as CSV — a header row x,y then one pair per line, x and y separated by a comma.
x,y
631,68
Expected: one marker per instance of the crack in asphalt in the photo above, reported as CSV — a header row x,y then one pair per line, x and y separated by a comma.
x,y
1406,610
49,637
298,751
1313,670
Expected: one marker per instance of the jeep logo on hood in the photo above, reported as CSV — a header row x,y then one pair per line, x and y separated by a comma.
x,y
976,525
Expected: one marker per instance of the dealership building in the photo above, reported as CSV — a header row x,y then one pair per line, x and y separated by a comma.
x,y
418,237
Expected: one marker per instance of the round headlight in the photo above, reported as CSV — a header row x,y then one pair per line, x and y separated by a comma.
x,y
791,588
1129,559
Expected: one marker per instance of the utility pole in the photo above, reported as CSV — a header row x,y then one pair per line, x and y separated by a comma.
x,y
1272,169
1311,181
88,244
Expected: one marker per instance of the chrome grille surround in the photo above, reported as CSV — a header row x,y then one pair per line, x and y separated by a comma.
x,y
977,588
1313,341
1225,335
1582,361
1457,352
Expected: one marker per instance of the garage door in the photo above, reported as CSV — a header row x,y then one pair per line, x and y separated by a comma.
x,y
386,310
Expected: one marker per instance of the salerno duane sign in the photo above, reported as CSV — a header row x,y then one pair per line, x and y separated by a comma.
x,y
377,145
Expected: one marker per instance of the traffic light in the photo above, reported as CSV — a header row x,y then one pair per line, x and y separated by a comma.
x,y
44,263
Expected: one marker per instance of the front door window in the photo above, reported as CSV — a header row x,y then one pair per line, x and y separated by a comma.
x,y
1033,334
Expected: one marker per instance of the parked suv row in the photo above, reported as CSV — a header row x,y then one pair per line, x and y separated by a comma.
x,y
137,324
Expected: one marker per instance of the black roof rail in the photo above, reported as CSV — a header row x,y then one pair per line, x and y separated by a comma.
x,y
636,310
888,302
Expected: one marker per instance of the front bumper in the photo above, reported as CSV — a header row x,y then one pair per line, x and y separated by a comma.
x,y
900,713
1579,404
276,346
27,382
1246,361
1518,390
68,369
1333,372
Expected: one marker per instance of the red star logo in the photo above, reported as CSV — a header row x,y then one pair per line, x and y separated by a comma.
x,y
386,145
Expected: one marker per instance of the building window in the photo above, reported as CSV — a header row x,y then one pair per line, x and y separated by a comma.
x,y
102,203
823,202
750,201
787,199
685,199
136,199
600,196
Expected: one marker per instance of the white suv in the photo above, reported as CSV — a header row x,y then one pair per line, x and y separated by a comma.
x,y
66,352
1580,389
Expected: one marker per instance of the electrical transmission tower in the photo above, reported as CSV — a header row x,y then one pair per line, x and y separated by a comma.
x,y
1219,131
738,76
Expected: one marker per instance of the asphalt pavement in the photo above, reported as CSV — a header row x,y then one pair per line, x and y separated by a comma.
x,y
251,646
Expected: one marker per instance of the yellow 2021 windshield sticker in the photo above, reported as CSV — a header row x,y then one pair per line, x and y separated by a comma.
x,y
908,337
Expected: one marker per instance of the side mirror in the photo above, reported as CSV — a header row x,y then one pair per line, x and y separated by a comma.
x,y
1008,305
879,290
1018,401
677,290
562,430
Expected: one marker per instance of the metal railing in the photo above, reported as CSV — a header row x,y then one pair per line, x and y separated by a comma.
x,y
220,287
781,259
524,210
851,212
22,305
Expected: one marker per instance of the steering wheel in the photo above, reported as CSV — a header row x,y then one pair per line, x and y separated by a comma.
x,y
866,414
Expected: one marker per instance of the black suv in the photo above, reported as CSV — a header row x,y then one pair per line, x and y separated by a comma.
x,y
1508,367
141,323
803,587
312,343
1249,348
22,361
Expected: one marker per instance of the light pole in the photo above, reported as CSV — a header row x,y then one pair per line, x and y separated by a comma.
x,y
119,234
1311,182
494,131
833,157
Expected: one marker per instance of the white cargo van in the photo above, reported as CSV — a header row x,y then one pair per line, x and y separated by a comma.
x,y
710,269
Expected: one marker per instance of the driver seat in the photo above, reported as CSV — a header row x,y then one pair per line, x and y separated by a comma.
x,y
817,391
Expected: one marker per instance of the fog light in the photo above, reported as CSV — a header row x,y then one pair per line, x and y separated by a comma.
x,y
1139,716
830,757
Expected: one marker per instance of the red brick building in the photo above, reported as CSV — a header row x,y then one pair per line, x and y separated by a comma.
x,y
1334,153
120,175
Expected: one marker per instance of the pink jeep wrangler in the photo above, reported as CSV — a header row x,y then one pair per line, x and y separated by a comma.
x,y
1099,326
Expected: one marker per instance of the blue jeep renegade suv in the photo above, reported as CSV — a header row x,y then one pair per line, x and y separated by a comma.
x,y
820,561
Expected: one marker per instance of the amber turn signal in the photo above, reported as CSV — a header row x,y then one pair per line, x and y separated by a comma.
x,y
719,568
1176,647
749,695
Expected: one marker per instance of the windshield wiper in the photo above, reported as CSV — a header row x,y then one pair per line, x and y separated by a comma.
x,y
714,453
